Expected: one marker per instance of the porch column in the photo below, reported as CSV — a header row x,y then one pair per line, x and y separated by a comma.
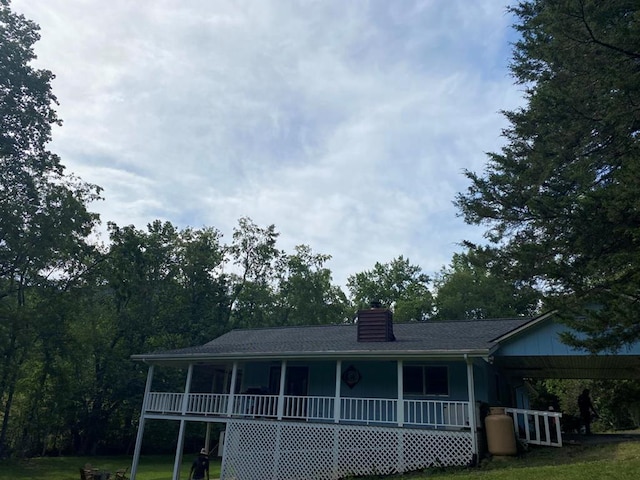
x,y
145,401
472,406
336,399
232,388
400,406
207,437
185,404
283,376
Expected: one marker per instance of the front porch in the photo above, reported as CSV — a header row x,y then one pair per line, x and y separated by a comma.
x,y
436,414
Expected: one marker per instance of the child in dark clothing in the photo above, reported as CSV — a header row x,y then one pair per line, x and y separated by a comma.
x,y
200,466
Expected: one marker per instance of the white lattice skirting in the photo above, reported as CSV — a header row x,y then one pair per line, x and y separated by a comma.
x,y
263,450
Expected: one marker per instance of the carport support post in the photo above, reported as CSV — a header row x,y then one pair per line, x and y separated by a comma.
x,y
185,404
145,401
472,406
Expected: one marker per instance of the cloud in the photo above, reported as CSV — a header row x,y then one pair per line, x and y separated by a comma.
x,y
345,124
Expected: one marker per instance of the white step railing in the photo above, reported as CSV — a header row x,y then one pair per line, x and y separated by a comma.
x,y
432,413
537,427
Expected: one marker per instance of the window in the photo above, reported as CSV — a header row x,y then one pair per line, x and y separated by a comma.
x,y
426,380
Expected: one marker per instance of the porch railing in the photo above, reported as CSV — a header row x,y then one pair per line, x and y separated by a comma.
x,y
436,413
537,427
255,405
208,403
368,410
431,413
308,408
162,402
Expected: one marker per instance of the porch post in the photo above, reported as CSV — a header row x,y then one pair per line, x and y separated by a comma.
x,y
472,406
185,404
336,399
283,375
145,401
232,388
207,437
400,406
400,414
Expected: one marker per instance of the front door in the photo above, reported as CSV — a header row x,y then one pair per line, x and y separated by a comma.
x,y
297,381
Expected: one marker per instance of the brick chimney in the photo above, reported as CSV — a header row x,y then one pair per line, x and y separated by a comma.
x,y
375,324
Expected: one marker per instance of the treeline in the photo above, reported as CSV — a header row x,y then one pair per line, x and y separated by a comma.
x,y
71,387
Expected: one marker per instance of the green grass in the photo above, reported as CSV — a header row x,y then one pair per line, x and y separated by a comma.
x,y
619,461
615,461
151,467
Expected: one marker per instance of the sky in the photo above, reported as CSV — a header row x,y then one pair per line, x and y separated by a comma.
x,y
347,124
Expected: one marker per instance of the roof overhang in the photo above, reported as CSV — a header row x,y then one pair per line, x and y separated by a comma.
x,y
178,359
616,367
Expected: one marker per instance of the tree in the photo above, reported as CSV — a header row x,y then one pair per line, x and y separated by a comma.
x,y
272,288
397,284
44,221
305,295
253,288
468,289
562,199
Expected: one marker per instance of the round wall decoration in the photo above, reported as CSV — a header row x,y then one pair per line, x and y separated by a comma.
x,y
351,376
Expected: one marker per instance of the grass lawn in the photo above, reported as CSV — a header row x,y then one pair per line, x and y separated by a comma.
x,y
151,467
572,462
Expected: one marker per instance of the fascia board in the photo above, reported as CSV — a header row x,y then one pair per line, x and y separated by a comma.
x,y
327,355
530,324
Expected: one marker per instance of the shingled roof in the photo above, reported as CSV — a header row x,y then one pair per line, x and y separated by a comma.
x,y
435,339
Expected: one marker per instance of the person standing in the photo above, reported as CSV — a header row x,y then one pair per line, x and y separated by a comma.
x,y
586,409
200,466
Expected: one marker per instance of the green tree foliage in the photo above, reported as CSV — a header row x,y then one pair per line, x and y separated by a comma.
x,y
252,289
562,199
467,289
272,288
43,216
157,288
167,280
305,295
397,283
616,401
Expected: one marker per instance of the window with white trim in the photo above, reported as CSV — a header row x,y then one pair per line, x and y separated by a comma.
x,y
426,380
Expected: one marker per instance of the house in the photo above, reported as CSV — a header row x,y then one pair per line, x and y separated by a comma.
x,y
330,401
